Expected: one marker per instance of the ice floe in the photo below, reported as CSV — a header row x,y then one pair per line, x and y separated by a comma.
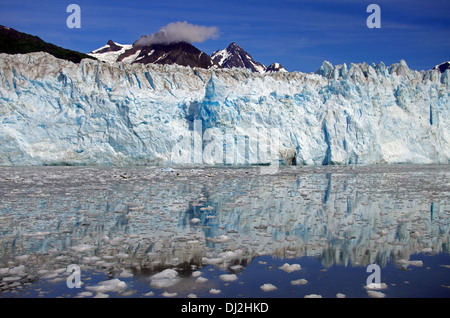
x,y
166,278
376,294
289,268
112,285
228,277
300,281
268,287
313,296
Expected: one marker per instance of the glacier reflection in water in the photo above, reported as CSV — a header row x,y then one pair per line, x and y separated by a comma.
x,y
128,223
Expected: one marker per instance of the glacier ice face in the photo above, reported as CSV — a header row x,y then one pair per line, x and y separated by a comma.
x,y
93,113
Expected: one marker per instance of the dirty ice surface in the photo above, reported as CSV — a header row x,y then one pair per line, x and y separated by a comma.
x,y
225,232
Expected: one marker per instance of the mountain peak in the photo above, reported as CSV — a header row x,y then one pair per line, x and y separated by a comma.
x,y
442,67
235,56
233,45
275,67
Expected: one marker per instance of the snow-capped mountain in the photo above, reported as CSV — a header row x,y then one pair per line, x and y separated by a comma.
x,y
442,67
180,53
235,56
54,111
275,67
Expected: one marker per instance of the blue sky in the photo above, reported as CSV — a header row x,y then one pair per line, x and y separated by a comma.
x,y
299,34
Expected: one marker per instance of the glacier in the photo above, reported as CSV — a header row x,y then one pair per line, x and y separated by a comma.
x,y
55,112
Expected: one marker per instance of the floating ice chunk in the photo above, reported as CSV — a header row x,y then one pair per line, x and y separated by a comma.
x,y
116,241
82,248
18,271
300,281
290,268
377,286
313,296
37,234
166,278
11,278
22,258
60,270
90,260
85,294
196,273
195,220
375,294
201,279
416,263
406,263
192,295
50,276
212,261
427,250
101,295
222,257
268,287
112,285
60,279
229,255
126,274
4,271
214,291
219,239
236,267
340,295
228,277
167,294
149,294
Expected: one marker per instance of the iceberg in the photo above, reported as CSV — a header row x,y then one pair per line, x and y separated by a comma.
x,y
55,112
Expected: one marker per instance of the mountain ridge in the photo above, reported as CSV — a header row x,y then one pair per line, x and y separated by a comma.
x,y
14,42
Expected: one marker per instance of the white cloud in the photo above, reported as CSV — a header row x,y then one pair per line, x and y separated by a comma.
x,y
180,31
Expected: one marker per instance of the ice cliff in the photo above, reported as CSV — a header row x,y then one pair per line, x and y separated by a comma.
x,y
56,112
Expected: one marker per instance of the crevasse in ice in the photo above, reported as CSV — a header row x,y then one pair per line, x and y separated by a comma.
x,y
57,112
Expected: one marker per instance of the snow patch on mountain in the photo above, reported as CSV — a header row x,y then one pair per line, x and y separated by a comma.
x,y
106,54
275,67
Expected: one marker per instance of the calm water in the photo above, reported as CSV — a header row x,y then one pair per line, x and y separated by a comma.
x,y
225,232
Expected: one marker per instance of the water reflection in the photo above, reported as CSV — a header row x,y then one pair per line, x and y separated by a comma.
x,y
147,219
